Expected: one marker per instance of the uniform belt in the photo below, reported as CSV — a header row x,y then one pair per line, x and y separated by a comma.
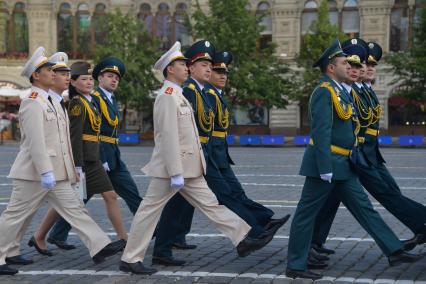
x,y
335,149
92,138
372,132
361,140
108,139
221,134
204,139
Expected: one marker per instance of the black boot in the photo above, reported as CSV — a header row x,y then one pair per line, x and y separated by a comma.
x,y
109,250
18,259
167,261
60,244
402,256
302,274
6,270
322,249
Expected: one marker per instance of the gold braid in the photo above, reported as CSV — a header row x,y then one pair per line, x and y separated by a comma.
x,y
376,110
205,121
365,116
94,118
104,110
222,117
341,113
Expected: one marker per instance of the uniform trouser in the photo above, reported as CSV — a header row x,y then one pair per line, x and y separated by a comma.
x,y
27,197
262,214
177,228
195,192
381,185
173,227
314,195
124,186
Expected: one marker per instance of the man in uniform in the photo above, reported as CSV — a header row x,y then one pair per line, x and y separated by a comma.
x,y
62,81
327,167
177,165
44,170
200,56
108,73
370,166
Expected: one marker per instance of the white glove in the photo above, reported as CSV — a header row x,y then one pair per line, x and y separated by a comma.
x,y
79,171
326,177
106,167
176,182
48,180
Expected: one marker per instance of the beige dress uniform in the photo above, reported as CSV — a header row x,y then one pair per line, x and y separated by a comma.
x,y
177,151
45,146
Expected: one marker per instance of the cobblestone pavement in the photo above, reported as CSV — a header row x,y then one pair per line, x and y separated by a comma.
x,y
270,177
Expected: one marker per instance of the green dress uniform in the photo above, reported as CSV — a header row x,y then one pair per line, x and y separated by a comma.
x,y
332,136
372,172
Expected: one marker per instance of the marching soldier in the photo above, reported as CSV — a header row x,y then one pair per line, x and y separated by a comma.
x,y
177,165
327,167
370,165
197,90
108,73
373,173
44,170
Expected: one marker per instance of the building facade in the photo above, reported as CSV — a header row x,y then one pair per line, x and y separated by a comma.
x,y
74,26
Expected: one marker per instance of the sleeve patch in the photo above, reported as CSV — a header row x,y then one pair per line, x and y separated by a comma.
x,y
33,95
76,110
169,90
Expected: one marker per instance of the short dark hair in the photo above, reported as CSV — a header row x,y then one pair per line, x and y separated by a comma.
x,y
332,61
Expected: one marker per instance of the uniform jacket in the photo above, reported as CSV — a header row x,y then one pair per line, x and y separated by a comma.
x,y
177,146
218,145
370,147
45,143
328,129
84,151
110,153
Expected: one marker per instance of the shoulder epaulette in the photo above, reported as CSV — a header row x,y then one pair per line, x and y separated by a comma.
x,y
325,85
96,93
211,91
192,86
169,90
33,95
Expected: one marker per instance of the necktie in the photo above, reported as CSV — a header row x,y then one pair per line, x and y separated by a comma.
x,y
63,105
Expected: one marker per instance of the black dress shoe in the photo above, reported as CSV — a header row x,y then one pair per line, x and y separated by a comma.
x,y
321,257
6,270
249,244
60,244
136,268
183,246
403,257
418,239
18,259
32,243
167,261
279,222
302,274
109,250
322,249
316,264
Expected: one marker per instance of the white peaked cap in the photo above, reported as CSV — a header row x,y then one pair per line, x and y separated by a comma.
x,y
60,60
37,59
174,53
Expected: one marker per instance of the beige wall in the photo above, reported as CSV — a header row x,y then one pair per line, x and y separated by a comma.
x,y
286,17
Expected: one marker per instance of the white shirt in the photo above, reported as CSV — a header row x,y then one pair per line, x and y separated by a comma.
x,y
338,85
201,86
368,84
174,85
347,87
359,85
108,94
88,97
55,95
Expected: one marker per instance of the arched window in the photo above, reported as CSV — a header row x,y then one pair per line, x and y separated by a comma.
x,y
333,12
99,28
264,13
65,28
4,21
180,31
309,15
145,15
350,18
18,44
162,21
83,31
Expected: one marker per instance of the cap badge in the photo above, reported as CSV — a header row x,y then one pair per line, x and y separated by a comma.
x,y
207,44
371,45
354,41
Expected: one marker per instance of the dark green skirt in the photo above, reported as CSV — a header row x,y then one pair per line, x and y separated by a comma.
x,y
97,180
